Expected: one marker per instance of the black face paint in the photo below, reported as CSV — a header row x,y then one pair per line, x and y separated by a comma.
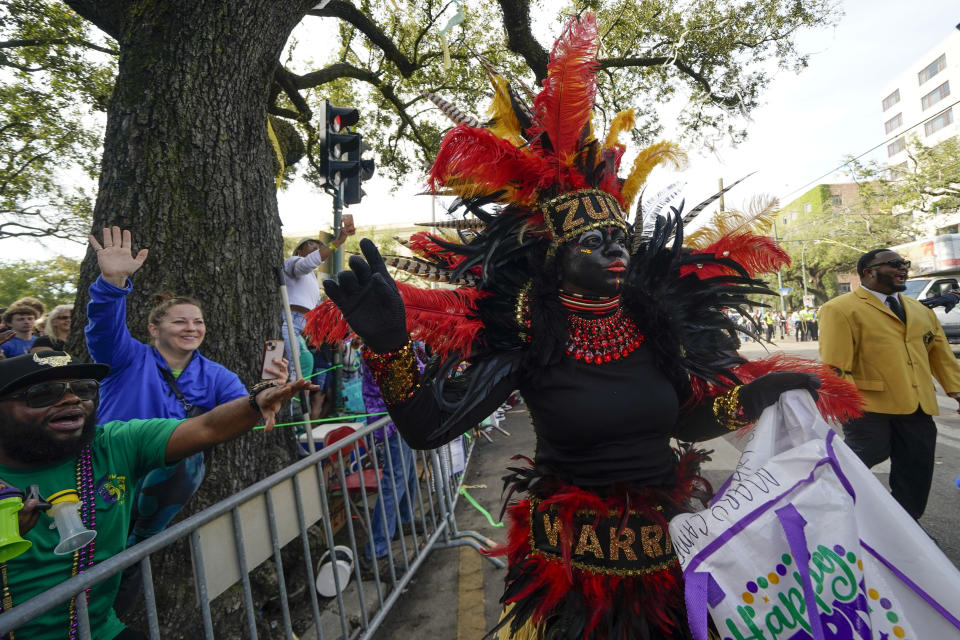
x,y
595,264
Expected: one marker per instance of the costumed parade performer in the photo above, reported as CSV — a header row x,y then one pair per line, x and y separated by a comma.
x,y
616,339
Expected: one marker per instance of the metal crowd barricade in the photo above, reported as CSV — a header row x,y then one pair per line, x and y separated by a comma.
x,y
233,537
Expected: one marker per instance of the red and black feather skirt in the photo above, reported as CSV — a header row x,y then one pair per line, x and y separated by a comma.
x,y
586,565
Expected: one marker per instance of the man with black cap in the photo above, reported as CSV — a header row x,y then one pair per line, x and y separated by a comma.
x,y
48,437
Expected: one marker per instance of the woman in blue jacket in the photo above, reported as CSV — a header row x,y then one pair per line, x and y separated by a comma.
x,y
142,377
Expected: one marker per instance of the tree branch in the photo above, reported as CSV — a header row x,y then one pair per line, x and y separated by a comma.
x,y
727,101
645,61
44,228
40,42
331,73
347,12
343,70
654,61
289,114
287,82
108,15
520,40
7,62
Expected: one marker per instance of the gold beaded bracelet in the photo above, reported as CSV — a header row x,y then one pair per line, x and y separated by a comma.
x,y
395,372
256,389
726,408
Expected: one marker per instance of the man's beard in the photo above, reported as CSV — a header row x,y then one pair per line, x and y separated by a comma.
x,y
32,444
888,280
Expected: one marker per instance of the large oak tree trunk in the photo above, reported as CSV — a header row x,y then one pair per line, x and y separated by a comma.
x,y
187,166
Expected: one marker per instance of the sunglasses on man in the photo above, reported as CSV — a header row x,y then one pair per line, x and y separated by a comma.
x,y
46,394
896,264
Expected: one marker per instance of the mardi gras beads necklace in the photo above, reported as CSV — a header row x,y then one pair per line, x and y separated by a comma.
x,y
83,557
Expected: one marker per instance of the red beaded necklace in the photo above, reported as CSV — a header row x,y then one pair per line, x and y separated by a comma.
x,y
599,339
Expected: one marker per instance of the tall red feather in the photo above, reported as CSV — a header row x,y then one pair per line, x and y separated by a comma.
x,y
756,253
444,319
565,104
475,162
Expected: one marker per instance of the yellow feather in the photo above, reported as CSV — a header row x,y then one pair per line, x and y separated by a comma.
x,y
505,124
758,219
623,121
644,164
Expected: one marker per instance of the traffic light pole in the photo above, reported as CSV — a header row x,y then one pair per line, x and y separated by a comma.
x,y
337,193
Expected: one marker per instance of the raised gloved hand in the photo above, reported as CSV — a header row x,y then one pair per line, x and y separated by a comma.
x,y
947,301
369,300
764,391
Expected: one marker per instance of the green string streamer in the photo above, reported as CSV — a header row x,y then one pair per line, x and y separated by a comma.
x,y
316,373
477,506
333,419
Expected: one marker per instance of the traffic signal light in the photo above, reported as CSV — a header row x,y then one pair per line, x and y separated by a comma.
x,y
341,162
352,193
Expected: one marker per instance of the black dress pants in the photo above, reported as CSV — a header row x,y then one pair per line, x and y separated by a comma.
x,y
909,441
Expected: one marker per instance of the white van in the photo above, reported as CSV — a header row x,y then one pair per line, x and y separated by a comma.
x,y
930,286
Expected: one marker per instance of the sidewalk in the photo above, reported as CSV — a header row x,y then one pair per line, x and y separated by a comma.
x,y
455,595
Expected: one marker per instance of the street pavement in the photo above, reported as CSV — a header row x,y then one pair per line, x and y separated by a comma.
x,y
455,594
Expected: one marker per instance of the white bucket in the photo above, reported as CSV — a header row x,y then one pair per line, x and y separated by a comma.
x,y
326,586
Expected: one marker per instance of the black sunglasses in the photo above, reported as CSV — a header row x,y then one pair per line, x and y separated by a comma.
x,y
50,393
896,264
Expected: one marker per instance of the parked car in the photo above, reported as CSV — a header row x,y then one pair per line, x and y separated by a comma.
x,y
930,286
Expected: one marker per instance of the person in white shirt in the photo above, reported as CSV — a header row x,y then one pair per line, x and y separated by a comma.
x,y
303,289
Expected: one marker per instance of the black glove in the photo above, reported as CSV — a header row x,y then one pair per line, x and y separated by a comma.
x,y
947,301
764,391
369,301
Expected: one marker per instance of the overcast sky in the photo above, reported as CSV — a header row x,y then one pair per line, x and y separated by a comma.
x,y
806,127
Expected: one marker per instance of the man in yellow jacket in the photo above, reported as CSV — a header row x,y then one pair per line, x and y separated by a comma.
x,y
891,347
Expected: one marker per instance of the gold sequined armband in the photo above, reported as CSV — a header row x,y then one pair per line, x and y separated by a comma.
x,y
726,407
395,372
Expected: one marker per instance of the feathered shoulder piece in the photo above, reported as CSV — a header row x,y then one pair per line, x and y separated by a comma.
x,y
680,294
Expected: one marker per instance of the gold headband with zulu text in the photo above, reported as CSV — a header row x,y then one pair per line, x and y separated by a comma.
x,y
570,214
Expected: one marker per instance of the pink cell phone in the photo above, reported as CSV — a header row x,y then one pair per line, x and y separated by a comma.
x,y
272,357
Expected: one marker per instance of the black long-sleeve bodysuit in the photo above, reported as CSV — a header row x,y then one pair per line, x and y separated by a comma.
x,y
596,425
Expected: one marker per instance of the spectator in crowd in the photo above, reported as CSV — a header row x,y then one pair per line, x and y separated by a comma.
x,y
768,325
57,325
303,290
20,320
891,347
33,303
49,437
321,401
814,324
168,378
799,327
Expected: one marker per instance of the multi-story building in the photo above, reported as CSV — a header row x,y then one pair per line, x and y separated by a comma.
x,y
835,198
923,100
798,222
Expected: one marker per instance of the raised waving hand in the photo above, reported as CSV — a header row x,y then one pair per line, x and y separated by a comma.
x,y
369,300
115,255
